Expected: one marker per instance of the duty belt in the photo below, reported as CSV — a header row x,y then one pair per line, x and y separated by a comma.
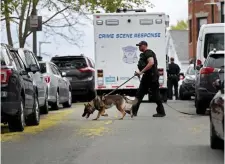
x,y
172,75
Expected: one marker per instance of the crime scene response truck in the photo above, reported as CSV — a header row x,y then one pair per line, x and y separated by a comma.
x,y
116,53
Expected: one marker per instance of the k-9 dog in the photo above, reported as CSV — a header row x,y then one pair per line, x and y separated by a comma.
x,y
105,102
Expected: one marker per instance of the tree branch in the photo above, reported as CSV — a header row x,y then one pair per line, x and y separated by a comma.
x,y
55,15
3,19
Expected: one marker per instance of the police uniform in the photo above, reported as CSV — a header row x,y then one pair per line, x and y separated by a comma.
x,y
173,78
149,81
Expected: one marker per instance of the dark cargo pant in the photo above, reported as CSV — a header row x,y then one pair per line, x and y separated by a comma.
x,y
145,85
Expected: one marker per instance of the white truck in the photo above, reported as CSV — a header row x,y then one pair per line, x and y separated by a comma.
x,y
116,54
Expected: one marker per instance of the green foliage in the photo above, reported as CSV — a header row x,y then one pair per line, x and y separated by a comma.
x,y
181,25
8,6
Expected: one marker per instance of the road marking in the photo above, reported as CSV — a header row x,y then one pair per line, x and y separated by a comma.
x,y
46,122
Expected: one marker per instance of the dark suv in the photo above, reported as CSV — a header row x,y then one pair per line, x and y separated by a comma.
x,y
212,70
80,72
19,104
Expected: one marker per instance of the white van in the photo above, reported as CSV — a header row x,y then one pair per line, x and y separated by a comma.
x,y
211,36
116,54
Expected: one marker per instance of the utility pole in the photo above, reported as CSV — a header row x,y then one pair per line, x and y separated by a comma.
x,y
33,14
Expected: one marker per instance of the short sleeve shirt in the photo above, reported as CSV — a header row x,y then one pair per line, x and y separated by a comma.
x,y
153,72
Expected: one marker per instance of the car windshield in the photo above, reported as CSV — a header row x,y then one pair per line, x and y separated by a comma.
x,y
213,41
68,63
4,57
191,71
215,61
43,67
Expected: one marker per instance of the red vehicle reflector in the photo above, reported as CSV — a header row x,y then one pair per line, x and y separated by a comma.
x,y
5,75
129,86
86,69
47,79
206,70
115,86
101,87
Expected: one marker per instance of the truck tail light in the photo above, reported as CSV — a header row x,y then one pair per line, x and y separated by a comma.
x,y
199,62
100,77
5,75
87,69
206,70
161,76
47,79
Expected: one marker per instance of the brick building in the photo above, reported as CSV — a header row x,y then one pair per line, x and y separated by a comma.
x,y
199,13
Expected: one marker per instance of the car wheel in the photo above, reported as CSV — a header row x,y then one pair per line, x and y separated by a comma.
x,y
215,141
68,104
44,109
55,106
17,123
200,106
34,118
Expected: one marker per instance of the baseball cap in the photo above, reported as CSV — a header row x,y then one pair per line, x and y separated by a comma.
x,y
142,43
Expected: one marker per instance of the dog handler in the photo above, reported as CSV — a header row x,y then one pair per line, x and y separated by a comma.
x,y
147,66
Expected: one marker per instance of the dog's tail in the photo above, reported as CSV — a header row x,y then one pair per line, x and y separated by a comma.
x,y
132,102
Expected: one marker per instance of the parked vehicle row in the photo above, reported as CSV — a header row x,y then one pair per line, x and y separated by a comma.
x,y
25,88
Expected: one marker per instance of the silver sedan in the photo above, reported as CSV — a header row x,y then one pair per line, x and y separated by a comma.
x,y
59,88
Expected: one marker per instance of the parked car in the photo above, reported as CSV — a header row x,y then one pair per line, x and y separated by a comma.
x,y
80,72
212,69
19,103
31,63
217,117
187,87
59,88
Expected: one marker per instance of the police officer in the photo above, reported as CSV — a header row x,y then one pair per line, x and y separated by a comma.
x,y
147,66
173,78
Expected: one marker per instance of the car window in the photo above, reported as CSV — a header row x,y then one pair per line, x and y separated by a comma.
x,y
90,63
54,70
18,61
5,60
57,70
70,63
43,67
29,58
215,61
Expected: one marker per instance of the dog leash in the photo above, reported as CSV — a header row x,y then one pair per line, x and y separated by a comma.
x,y
120,86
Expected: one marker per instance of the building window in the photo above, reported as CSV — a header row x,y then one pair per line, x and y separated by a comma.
x,y
190,30
200,22
222,12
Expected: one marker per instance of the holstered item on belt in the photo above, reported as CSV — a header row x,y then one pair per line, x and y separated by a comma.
x,y
172,76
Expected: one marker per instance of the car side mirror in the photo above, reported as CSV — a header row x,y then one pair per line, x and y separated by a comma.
x,y
198,67
63,74
34,68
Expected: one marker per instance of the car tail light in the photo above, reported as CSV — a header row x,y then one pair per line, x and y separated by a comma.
x,y
87,69
47,79
5,75
181,77
161,76
199,62
206,70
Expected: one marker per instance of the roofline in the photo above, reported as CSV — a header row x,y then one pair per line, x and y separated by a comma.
x,y
129,13
214,25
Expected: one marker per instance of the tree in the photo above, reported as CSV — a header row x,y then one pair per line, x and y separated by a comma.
x,y
64,15
181,25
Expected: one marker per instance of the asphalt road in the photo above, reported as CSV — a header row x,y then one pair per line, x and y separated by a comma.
x,y
64,137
